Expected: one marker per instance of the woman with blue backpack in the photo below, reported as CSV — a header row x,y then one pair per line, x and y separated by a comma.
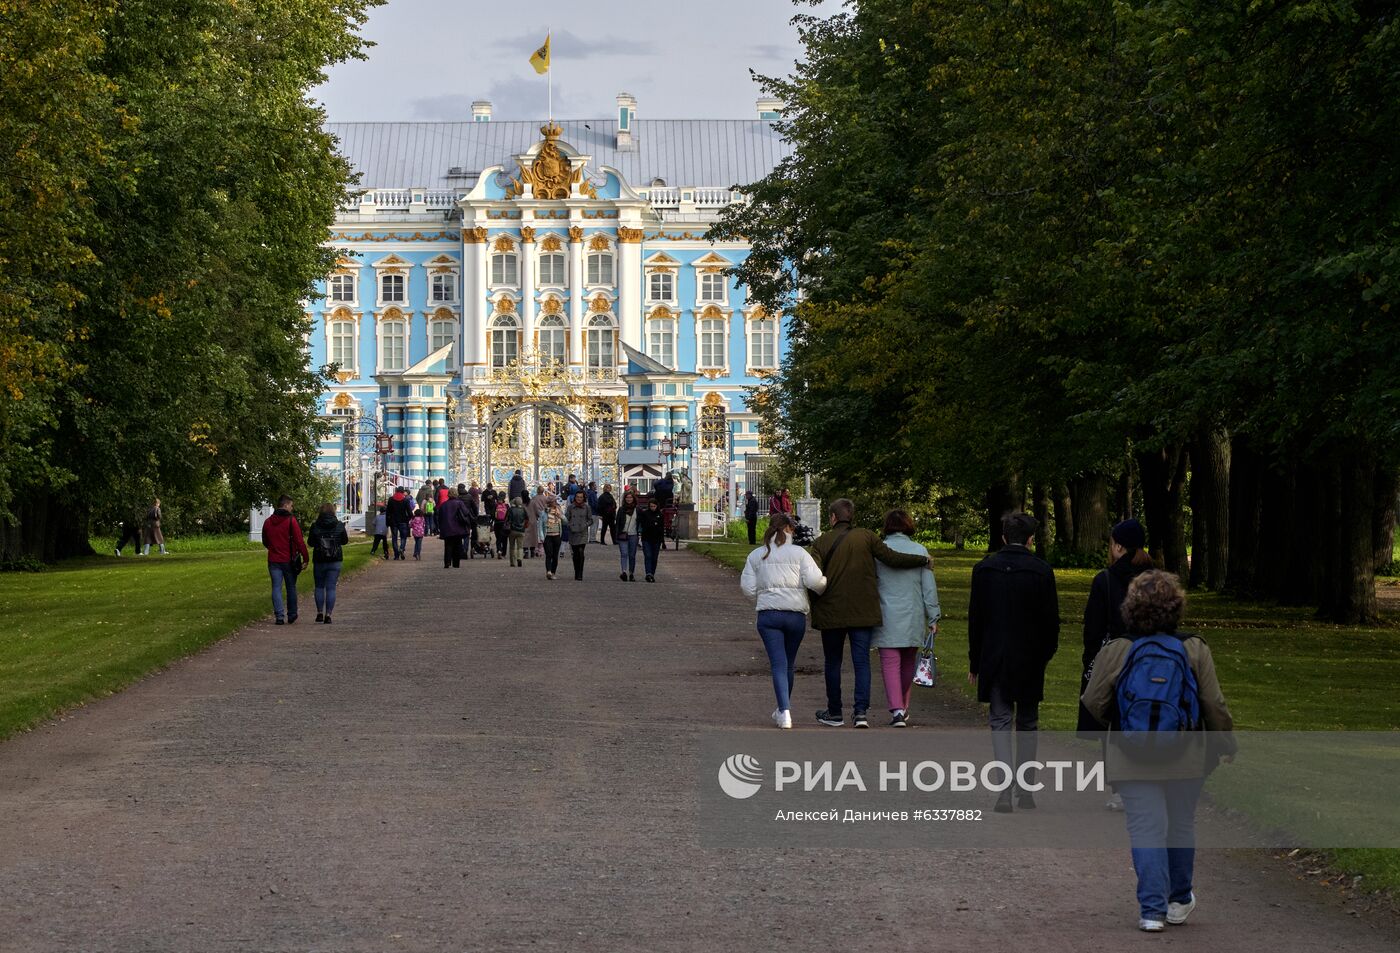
x,y
1168,727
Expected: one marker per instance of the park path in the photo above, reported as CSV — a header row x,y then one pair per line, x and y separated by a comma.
x,y
482,760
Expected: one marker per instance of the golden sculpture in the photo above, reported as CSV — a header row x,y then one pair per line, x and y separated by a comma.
x,y
599,304
551,243
599,242
475,235
629,236
552,305
505,244
550,174
527,235
575,233
505,306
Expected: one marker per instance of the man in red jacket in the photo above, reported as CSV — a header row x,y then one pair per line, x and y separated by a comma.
x,y
282,538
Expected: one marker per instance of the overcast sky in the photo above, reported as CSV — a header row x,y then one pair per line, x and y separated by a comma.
x,y
681,60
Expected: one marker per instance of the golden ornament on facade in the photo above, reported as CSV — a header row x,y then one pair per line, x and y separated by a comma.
x,y
599,304
551,243
712,311
661,313
629,236
505,244
712,373
549,175
505,306
599,242
552,305
342,400
527,235
475,235
575,233
391,314
599,213
344,377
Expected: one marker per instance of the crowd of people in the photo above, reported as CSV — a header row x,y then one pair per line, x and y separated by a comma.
x,y
1142,678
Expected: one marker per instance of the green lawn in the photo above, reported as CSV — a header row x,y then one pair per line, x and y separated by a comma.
x,y
1281,670
89,627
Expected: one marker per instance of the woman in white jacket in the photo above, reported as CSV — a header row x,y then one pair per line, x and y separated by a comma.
x,y
778,577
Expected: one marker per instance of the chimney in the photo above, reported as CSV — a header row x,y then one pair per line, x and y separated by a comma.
x,y
626,118
481,110
769,108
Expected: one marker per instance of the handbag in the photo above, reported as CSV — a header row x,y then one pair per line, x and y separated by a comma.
x,y
926,674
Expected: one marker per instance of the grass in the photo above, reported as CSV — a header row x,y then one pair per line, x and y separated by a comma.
x,y
1281,670
90,627
210,543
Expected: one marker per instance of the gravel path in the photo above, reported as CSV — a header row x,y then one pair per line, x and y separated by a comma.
x,y
483,760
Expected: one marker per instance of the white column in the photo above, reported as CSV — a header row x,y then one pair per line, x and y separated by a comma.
x,y
473,297
576,278
629,288
527,286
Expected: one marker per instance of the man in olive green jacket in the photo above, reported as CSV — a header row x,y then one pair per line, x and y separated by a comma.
x,y
850,606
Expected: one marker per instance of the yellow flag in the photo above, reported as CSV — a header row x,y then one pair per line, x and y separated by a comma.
x,y
540,60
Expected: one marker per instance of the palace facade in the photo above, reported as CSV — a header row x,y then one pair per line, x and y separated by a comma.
x,y
541,296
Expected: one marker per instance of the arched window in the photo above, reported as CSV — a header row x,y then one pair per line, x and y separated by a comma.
x,y
505,269
553,340
763,344
505,341
551,270
341,288
600,343
600,268
442,330
712,344
393,343
341,348
661,338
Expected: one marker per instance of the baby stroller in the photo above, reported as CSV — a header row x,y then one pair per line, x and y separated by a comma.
x,y
483,540
802,534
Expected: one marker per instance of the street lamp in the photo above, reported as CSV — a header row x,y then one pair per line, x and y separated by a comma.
x,y
683,440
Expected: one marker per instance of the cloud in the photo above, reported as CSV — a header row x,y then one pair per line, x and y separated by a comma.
x,y
448,107
770,51
569,46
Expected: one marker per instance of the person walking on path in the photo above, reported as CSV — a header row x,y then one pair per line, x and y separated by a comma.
x,y
489,499
1013,631
534,536
850,606
381,532
430,515
425,493
552,531
781,503
327,538
579,518
516,490
606,510
500,527
400,513
418,526
453,527
471,506
1160,794
150,530
625,529
286,558
909,614
751,516
131,531
517,524
778,578
651,527
1103,614
442,492
591,495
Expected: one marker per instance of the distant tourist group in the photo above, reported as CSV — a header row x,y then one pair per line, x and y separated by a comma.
x,y
1139,675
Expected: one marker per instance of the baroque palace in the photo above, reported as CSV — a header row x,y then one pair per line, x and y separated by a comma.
x,y
542,297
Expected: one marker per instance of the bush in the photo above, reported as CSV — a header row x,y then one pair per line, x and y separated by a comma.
x,y
22,564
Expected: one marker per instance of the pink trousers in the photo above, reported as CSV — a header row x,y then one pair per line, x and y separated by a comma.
x,y
898,667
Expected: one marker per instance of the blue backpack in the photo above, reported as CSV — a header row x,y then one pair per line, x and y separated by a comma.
x,y
1158,699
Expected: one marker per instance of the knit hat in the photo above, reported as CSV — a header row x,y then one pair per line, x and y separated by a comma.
x,y
1130,535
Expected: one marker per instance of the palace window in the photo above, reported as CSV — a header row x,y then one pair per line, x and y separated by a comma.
x,y
763,344
341,288
505,341
551,270
600,342
505,269
553,340
661,341
600,268
393,289
713,344
553,430
661,286
442,331
341,349
393,344
713,288
443,289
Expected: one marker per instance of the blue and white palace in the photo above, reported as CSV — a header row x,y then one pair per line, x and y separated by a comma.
x,y
541,296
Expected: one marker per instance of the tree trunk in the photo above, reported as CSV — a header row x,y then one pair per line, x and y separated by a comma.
x,y
1200,559
1383,527
1210,507
1245,477
1350,591
1089,499
46,527
1040,509
1163,476
1002,498
1064,517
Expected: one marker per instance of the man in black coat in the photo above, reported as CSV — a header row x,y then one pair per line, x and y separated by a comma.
x,y
1013,630
517,487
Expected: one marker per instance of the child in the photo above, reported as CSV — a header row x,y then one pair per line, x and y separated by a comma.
x,y
381,533
418,526
430,515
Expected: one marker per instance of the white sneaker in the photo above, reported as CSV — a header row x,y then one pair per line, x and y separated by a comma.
x,y
784,719
1178,912
1115,803
1151,926
777,717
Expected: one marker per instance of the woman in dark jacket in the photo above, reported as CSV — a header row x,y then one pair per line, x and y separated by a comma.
x,y
651,527
751,516
327,537
606,510
1103,616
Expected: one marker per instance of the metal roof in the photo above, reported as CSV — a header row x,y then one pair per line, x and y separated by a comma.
x,y
683,152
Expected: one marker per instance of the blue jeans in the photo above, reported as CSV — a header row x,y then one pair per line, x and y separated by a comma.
x,y
651,552
326,575
1162,830
400,531
282,574
833,641
627,550
782,632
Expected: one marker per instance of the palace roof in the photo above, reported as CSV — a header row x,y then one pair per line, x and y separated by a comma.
x,y
681,152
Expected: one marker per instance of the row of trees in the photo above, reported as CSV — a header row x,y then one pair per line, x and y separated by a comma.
x,y
1093,257
165,193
